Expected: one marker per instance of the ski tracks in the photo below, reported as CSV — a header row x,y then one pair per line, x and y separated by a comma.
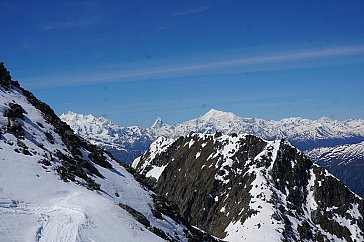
x,y
61,224
63,221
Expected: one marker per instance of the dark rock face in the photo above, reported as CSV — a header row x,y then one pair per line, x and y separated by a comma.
x,y
198,205
219,180
351,175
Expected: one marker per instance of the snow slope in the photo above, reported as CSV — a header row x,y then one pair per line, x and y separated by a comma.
x,y
303,133
57,187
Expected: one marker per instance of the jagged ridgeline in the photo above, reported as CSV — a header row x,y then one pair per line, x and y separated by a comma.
x,y
243,188
41,160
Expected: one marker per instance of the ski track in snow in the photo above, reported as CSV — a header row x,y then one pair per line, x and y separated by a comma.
x,y
61,223
58,223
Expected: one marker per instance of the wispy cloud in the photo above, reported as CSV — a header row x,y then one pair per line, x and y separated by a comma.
x,y
190,11
71,24
76,15
235,65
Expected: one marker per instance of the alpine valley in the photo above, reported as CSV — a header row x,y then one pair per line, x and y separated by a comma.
x,y
207,179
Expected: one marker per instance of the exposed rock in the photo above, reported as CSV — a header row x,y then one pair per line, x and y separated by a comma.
x,y
232,185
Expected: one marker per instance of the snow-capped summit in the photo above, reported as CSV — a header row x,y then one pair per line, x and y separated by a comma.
x,y
217,115
158,123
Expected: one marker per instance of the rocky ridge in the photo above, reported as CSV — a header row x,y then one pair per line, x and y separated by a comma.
x,y
253,189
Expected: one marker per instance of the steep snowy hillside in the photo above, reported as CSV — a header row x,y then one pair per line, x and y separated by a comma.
x,y
243,188
344,161
128,143
55,186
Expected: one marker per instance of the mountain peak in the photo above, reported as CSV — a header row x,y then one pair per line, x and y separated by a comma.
x,y
217,114
158,123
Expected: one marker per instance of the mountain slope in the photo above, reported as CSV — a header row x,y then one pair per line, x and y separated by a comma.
x,y
344,161
253,190
55,186
128,143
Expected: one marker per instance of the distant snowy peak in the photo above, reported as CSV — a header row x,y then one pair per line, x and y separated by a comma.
x,y
89,124
125,143
158,123
217,115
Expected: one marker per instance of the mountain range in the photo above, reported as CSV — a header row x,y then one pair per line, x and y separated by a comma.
x,y
127,143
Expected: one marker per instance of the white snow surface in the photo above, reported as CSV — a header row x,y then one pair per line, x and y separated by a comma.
x,y
35,205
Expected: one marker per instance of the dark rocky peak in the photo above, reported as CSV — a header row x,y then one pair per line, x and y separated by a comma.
x,y
241,187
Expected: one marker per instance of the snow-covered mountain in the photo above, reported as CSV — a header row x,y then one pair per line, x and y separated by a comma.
x,y
344,161
303,133
129,142
243,188
55,186
124,143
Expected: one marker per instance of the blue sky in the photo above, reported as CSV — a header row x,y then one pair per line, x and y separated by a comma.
x,y
132,61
